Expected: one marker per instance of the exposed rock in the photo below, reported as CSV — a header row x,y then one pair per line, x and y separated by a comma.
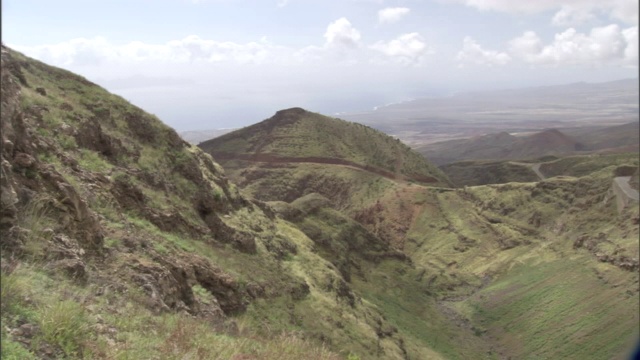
x,y
164,289
90,135
189,168
592,244
24,160
343,291
128,195
74,268
241,240
80,219
66,106
172,222
300,290
221,285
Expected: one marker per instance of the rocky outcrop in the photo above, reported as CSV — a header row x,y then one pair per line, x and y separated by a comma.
x,y
24,177
90,135
594,244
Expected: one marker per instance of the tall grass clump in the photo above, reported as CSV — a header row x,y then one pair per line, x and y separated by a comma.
x,y
34,218
66,325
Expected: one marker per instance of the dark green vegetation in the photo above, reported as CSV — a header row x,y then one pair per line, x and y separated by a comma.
x,y
479,172
121,241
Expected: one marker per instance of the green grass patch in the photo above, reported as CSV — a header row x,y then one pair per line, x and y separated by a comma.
x,y
557,310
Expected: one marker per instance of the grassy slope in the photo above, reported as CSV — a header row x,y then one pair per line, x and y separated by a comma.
x,y
115,317
463,240
468,243
396,288
566,308
543,297
519,235
587,164
89,321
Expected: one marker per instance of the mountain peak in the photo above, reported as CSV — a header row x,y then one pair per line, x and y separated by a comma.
x,y
290,112
297,135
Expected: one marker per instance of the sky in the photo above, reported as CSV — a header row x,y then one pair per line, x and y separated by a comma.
x,y
211,64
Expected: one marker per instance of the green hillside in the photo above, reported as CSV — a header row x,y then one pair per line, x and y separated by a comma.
x,y
297,135
319,239
120,240
479,172
469,245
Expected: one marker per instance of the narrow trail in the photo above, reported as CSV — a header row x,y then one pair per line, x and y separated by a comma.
x,y
534,167
622,183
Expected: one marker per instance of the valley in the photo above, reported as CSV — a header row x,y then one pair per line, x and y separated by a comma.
x,y
307,236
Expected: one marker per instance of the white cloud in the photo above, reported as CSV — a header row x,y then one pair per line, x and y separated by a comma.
x,y
602,45
571,16
407,48
342,33
526,47
282,3
392,15
473,53
631,51
80,52
341,47
623,10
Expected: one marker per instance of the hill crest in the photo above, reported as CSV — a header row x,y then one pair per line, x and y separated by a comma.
x,y
297,135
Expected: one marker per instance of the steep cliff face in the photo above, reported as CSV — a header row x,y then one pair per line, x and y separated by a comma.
x,y
96,189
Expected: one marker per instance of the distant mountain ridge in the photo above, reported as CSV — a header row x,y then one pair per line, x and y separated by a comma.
x,y
503,146
428,120
197,136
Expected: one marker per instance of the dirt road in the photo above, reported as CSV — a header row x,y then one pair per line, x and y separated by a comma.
x,y
622,182
274,159
535,167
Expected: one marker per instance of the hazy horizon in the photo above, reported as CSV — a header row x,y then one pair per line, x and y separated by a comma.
x,y
211,64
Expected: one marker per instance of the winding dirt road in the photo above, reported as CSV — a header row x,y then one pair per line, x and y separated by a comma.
x,y
622,182
535,167
273,159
